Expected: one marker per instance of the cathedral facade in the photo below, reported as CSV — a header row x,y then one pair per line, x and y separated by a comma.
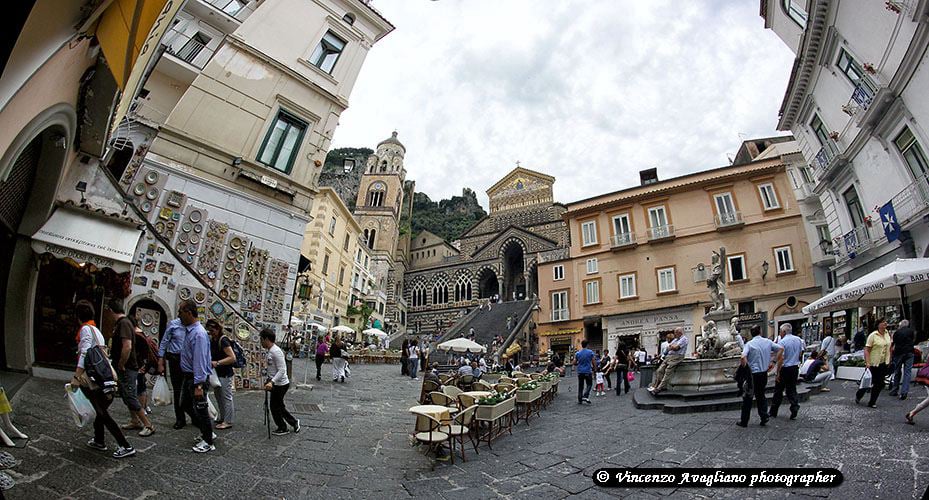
x,y
497,256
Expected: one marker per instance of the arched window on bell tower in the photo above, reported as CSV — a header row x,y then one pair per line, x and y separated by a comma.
x,y
376,194
370,237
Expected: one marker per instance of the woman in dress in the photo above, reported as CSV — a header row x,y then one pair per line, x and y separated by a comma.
x,y
338,362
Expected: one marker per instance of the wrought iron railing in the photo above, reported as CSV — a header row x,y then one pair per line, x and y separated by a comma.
x,y
824,158
912,201
187,49
727,219
622,239
659,232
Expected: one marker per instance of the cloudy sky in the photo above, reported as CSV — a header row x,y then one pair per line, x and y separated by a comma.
x,y
590,92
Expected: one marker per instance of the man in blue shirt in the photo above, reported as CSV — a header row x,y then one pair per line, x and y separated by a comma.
x,y
756,355
172,342
787,375
584,359
677,349
196,367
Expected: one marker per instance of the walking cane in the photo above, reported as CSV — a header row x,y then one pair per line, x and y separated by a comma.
x,y
267,415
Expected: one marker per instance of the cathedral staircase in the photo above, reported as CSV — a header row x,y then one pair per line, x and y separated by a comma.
x,y
488,324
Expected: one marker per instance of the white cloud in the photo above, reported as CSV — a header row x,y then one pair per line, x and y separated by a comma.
x,y
589,92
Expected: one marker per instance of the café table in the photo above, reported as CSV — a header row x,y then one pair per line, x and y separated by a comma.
x,y
439,412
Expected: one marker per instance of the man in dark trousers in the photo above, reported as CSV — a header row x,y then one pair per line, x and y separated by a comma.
x,y
196,366
756,355
584,359
172,342
788,373
902,361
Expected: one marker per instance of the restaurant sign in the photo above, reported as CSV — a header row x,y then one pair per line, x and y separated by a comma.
x,y
561,331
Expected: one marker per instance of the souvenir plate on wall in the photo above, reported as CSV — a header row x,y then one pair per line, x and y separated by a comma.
x,y
146,190
186,237
201,296
211,251
254,279
236,249
175,200
275,291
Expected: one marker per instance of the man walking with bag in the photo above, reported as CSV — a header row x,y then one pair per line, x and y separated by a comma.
x,y
123,357
902,362
172,343
196,367
787,375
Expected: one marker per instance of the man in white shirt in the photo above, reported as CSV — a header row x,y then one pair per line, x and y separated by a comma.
x,y
277,384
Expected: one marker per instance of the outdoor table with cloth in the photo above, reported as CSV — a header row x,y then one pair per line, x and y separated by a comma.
x,y
440,413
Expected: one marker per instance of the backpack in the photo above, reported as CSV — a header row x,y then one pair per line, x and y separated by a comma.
x,y
146,351
98,369
239,354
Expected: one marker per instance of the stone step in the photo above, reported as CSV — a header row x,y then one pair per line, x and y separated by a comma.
x,y
670,402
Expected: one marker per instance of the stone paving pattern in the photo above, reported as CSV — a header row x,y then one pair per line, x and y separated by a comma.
x,y
358,447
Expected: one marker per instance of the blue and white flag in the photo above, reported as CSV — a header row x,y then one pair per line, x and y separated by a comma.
x,y
889,221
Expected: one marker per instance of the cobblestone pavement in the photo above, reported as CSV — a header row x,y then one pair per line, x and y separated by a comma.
x,y
357,447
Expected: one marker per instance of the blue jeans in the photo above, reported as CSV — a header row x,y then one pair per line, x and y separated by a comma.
x,y
414,364
904,362
584,383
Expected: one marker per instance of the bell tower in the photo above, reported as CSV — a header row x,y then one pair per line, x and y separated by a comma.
x,y
380,196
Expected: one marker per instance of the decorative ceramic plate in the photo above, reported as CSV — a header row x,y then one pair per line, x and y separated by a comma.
x,y
198,228
152,193
242,331
194,239
182,238
186,227
211,274
171,226
154,330
224,294
235,243
184,293
200,297
151,177
139,189
195,216
146,206
234,296
192,250
190,259
229,266
176,216
218,308
181,247
160,227
148,319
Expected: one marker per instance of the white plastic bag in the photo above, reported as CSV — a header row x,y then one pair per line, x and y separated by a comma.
x,y
81,408
161,394
214,380
212,408
865,382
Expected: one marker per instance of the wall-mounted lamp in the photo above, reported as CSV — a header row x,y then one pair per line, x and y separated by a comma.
x,y
81,188
764,270
236,161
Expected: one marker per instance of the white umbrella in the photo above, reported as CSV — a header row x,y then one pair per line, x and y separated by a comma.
x,y
885,286
318,326
376,332
342,329
295,321
461,345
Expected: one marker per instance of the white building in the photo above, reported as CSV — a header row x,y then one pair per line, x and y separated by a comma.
x,y
857,104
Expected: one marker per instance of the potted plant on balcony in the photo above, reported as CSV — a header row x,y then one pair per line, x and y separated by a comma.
x,y
834,135
869,68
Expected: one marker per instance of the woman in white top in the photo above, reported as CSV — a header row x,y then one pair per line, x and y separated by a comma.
x,y
414,359
89,336
277,384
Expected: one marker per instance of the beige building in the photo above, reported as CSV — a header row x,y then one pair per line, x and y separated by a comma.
x,y
331,244
639,258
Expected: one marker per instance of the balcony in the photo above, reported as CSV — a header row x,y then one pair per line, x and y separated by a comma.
x,y
856,241
622,241
912,203
729,220
805,191
660,233
826,159
184,56
224,15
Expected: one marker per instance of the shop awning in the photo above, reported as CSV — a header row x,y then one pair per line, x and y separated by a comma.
x,y
885,286
86,238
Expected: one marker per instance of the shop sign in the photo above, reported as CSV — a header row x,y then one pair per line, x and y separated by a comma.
x,y
78,256
564,331
753,318
649,323
269,181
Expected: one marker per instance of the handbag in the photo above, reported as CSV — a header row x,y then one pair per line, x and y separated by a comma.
x,y
630,376
865,382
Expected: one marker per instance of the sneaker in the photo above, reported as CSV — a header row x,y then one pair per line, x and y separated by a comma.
x,y
297,427
825,389
95,445
280,432
587,400
148,410
179,425
343,379
123,452
872,406
764,422
148,431
203,447
198,439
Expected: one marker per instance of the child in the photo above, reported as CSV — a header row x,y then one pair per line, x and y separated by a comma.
x,y
599,388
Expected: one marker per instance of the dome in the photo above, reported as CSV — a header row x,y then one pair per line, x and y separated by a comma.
x,y
392,140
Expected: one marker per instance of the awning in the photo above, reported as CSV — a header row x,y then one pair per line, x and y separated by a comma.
x,y
885,286
86,238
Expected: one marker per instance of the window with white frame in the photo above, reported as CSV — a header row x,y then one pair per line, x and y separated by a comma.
x,y
768,196
784,258
592,292
796,10
627,286
666,280
737,270
622,229
850,67
592,266
913,153
658,221
332,223
825,238
558,273
560,306
589,232
725,208
327,52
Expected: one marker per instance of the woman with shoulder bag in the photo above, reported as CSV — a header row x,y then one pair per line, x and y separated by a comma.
x,y
90,337
622,363
223,357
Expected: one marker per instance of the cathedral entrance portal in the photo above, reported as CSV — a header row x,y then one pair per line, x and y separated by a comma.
x,y
487,284
514,276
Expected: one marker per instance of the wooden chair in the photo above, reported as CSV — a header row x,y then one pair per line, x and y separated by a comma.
x,y
459,428
504,387
465,382
442,399
444,377
452,391
480,385
428,387
433,436
465,400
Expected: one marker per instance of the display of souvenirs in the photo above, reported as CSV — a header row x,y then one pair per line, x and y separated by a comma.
x,y
165,267
190,234
254,279
200,296
133,167
275,290
233,267
145,191
211,253
149,265
148,320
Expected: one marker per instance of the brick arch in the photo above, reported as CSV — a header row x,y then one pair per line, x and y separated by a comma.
x,y
512,240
